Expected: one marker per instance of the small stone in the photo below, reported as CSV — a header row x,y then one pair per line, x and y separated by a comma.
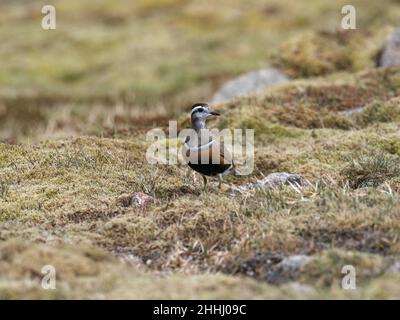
x,y
277,179
350,112
273,180
391,53
141,199
395,267
248,83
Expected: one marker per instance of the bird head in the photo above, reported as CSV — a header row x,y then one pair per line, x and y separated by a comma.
x,y
201,111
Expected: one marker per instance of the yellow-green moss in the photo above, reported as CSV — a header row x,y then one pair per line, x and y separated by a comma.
x,y
319,53
382,111
325,270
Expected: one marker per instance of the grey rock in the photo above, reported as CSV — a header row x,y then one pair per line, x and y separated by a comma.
x,y
391,53
273,180
288,269
277,179
395,267
141,199
138,199
350,112
251,82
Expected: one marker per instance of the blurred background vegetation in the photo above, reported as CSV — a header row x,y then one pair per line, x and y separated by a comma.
x,y
113,64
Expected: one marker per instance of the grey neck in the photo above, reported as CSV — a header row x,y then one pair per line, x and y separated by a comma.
x,y
198,124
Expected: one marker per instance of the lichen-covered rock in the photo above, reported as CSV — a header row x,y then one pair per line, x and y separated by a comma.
x,y
138,199
273,180
141,199
391,53
277,179
249,83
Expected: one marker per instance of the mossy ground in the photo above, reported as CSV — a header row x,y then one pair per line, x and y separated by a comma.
x,y
74,148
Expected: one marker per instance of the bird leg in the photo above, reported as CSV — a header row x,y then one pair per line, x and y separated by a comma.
x,y
205,182
194,177
220,181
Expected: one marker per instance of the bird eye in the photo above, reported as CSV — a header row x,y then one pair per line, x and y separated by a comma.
x,y
201,109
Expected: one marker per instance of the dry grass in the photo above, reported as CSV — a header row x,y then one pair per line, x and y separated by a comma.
x,y
69,192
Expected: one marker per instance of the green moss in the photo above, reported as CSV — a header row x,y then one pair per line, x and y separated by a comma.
x,y
319,53
382,111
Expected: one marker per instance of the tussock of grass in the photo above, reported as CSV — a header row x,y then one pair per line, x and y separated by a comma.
x,y
319,53
371,169
379,112
325,270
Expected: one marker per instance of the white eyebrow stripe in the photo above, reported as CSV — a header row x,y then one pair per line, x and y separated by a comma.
x,y
204,146
196,108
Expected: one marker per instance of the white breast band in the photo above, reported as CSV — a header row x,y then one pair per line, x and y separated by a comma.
x,y
204,146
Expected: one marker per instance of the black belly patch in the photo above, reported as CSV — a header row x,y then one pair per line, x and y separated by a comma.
x,y
210,169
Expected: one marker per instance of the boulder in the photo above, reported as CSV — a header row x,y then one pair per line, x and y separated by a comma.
x,y
248,83
391,52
